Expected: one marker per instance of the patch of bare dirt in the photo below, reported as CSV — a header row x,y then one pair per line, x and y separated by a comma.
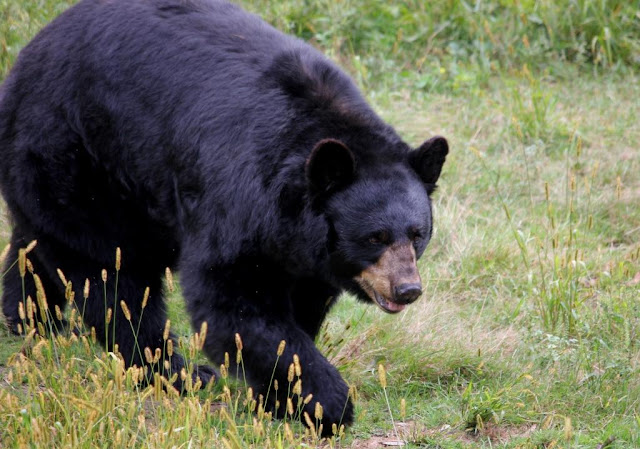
x,y
414,433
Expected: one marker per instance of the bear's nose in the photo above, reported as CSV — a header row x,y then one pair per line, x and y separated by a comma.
x,y
407,293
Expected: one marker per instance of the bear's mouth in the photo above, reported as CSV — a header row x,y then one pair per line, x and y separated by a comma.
x,y
387,306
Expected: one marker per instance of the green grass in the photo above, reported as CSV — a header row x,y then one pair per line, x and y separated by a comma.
x,y
528,332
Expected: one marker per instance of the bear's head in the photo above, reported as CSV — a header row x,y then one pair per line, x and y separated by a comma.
x,y
379,216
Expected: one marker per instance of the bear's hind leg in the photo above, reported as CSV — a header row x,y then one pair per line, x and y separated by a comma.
x,y
122,314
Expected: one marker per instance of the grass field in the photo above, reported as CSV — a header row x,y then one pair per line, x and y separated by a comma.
x,y
528,335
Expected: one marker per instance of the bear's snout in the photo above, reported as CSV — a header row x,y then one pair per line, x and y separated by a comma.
x,y
393,281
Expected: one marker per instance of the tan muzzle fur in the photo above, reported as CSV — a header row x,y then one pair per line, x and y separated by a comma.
x,y
393,281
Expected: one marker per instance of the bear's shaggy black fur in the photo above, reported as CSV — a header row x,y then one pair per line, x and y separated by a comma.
x,y
193,135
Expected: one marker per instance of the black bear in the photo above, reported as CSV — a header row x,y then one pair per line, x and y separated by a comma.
x,y
193,135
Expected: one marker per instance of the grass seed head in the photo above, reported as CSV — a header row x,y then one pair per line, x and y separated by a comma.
x,y
32,244
40,292
169,276
148,356
30,336
145,297
118,258
281,347
203,335
104,275
41,298
109,314
58,312
170,348
308,399
290,373
238,342
69,293
21,312
307,420
22,262
296,364
30,307
63,279
382,375
318,411
167,327
353,393
125,310
297,388
85,291
568,429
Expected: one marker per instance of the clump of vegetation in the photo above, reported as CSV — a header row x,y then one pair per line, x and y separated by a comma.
x,y
63,377
528,332
441,45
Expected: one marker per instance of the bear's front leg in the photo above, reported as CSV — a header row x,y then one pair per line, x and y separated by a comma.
x,y
255,306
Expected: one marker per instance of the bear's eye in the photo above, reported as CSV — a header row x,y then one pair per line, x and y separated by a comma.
x,y
379,238
415,234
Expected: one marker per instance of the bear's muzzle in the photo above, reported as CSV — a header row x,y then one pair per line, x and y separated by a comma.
x,y
393,281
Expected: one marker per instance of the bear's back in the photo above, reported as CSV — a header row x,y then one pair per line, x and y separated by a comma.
x,y
174,98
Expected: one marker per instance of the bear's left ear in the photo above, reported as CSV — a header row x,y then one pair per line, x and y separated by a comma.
x,y
330,166
427,161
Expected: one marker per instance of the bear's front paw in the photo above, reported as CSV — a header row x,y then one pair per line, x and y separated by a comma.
x,y
338,414
336,410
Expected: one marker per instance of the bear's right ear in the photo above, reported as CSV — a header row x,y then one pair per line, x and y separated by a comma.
x,y
330,166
